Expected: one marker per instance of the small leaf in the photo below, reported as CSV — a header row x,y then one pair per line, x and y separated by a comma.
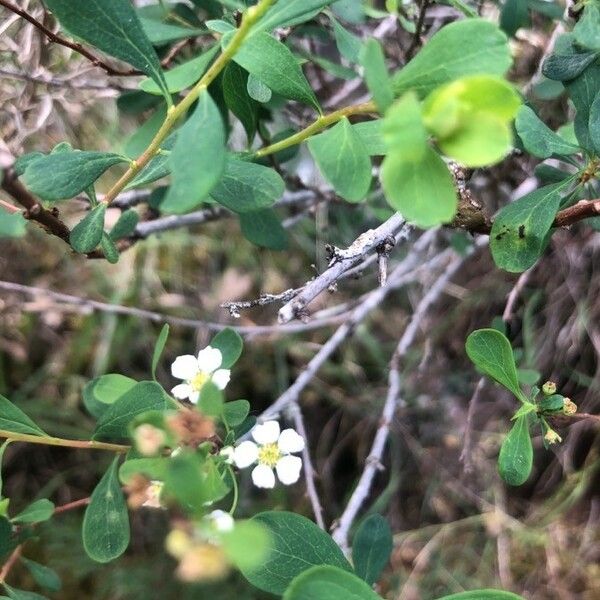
x,y
538,138
106,522
562,68
36,512
371,548
12,225
515,460
594,123
347,43
423,191
520,231
230,344
86,235
238,99
376,75
291,12
198,158
343,160
257,90
210,402
44,576
483,595
125,226
160,33
274,64
109,248
587,28
235,412
15,594
247,187
328,583
514,15
113,27
404,133
492,353
63,175
158,167
297,545
15,420
263,228
159,347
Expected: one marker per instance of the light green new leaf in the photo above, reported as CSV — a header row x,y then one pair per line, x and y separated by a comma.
x,y
263,228
329,583
376,74
483,595
297,545
12,225
99,393
183,75
230,344
246,534
63,175
467,47
587,29
538,138
273,63
371,548
15,420
159,347
44,576
257,90
87,234
347,43
36,512
343,160
491,352
105,529
403,130
143,397
520,231
371,134
286,13
423,191
198,158
515,460
113,27
246,186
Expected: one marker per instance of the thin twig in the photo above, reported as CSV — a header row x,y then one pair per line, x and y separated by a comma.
x,y
465,455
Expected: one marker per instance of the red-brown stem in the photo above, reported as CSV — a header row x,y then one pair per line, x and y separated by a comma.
x,y
9,564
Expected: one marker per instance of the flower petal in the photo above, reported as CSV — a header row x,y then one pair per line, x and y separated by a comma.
x,y
288,469
185,367
245,454
263,476
209,359
290,441
266,433
221,520
182,391
221,378
194,396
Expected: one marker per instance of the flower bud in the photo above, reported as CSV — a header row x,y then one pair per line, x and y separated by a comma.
x,y
549,388
569,407
148,439
552,437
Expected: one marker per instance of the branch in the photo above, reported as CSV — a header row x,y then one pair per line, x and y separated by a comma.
x,y
54,441
342,261
373,462
584,209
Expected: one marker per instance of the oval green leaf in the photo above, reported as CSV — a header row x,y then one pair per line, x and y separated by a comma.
x,y
515,460
371,548
15,420
87,234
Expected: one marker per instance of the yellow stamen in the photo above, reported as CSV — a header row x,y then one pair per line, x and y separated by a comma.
x,y
269,455
199,380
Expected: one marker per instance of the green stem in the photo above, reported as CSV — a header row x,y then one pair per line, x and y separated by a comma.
x,y
321,123
250,17
54,441
235,492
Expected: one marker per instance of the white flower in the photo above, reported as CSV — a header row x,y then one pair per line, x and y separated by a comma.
x,y
153,492
220,520
227,453
272,450
195,372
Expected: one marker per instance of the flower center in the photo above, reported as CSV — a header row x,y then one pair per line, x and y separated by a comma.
x,y
269,455
199,380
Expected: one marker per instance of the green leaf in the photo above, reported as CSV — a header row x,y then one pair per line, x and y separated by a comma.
x,y
565,67
198,158
113,27
348,44
297,545
160,33
12,225
483,595
152,468
230,344
159,347
538,139
520,231
235,412
44,576
125,226
328,583
594,124
343,160
247,187
263,228
245,535
143,397
158,167
238,98
143,136
587,29
371,134
376,74
257,90
183,75
514,15
15,420
105,390
515,460
15,594
491,352
286,13
371,548
87,234
403,130
467,47
106,522
423,191
210,402
63,175
552,403
274,64
36,512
